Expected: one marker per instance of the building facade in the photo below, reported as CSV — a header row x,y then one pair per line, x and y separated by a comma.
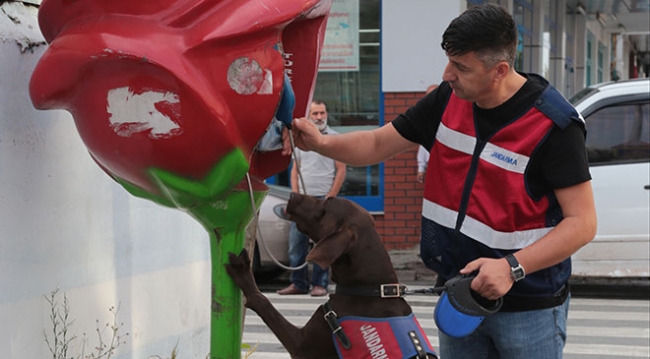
x,y
571,43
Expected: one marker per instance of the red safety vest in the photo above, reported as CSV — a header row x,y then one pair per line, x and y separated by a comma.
x,y
487,178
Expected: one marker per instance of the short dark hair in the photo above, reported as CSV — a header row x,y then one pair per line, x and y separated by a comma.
x,y
319,102
488,30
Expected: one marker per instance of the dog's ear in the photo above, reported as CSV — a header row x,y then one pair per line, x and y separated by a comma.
x,y
329,249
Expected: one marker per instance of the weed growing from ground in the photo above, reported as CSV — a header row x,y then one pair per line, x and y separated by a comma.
x,y
61,339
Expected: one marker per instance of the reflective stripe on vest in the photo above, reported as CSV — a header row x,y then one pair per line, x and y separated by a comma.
x,y
480,231
498,156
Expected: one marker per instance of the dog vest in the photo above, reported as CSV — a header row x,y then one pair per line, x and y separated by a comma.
x,y
382,338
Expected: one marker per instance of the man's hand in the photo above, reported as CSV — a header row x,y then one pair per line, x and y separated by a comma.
x,y
421,177
306,136
286,142
493,280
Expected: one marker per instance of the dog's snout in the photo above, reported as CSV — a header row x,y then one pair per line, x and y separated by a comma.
x,y
294,201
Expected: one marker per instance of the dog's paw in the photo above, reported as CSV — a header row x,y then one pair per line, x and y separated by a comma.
x,y
239,269
238,265
241,261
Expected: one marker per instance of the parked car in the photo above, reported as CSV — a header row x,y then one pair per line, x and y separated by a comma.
x,y
617,116
273,234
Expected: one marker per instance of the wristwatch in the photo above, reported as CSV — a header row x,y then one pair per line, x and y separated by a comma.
x,y
517,272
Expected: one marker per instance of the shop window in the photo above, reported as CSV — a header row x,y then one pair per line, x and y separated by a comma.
x,y
523,15
569,65
601,61
588,60
348,82
353,97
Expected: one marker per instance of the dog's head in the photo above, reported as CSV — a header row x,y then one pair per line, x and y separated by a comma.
x,y
331,223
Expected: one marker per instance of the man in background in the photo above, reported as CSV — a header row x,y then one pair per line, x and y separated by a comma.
x,y
323,178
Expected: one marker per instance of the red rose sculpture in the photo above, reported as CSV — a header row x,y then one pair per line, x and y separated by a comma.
x,y
176,84
171,98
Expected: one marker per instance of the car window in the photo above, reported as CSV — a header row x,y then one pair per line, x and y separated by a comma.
x,y
584,93
619,133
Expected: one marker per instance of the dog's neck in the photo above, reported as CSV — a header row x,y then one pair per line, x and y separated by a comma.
x,y
372,268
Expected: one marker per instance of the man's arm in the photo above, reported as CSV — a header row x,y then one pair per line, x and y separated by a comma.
x,y
338,179
422,159
576,229
358,148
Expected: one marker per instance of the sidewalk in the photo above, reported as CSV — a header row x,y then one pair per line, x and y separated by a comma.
x,y
409,267
407,263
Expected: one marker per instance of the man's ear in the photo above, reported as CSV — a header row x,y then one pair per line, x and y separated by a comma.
x,y
329,249
501,70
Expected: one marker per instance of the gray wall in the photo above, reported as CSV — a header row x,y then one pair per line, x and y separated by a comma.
x,y
411,34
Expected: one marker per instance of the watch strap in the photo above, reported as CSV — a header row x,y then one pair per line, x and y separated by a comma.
x,y
512,260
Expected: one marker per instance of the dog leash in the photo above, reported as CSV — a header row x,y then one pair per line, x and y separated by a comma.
x,y
431,290
257,215
393,290
295,161
256,220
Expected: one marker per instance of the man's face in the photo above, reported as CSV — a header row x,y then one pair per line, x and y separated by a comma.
x,y
318,115
469,78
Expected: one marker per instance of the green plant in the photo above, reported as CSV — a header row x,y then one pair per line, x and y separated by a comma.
x,y
174,354
62,340
249,350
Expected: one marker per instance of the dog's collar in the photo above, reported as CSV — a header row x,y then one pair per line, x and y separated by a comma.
x,y
383,290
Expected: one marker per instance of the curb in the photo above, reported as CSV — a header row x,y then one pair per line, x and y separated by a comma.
x,y
409,267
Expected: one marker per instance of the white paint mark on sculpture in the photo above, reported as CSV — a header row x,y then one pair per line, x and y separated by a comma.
x,y
132,113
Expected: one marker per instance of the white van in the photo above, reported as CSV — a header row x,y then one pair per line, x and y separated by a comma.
x,y
617,116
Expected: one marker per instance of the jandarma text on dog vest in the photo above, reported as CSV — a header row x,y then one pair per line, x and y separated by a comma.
x,y
373,342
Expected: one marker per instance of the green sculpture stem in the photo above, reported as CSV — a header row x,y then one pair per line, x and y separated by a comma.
x,y
227,228
224,211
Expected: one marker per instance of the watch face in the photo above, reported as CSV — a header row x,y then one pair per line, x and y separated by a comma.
x,y
517,273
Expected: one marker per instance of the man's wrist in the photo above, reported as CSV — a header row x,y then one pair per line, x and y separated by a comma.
x,y
517,271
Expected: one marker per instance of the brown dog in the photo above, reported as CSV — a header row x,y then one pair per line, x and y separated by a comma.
x,y
346,241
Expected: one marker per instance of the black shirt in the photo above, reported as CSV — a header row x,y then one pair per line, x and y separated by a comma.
x,y
561,161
